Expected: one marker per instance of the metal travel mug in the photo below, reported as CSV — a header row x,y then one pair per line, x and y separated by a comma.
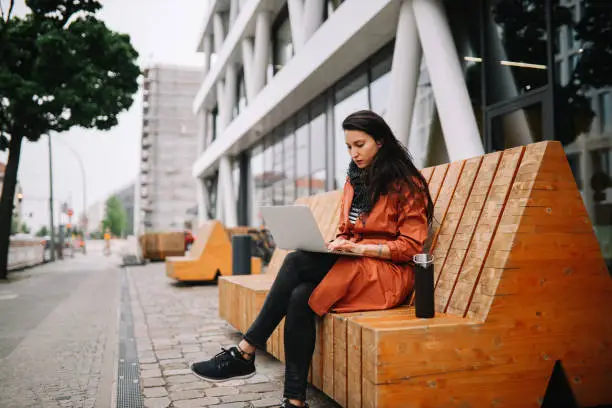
x,y
424,286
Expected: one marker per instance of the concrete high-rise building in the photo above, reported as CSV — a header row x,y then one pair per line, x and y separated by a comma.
x,y
453,78
166,189
126,196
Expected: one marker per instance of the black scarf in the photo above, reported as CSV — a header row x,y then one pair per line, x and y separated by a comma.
x,y
361,199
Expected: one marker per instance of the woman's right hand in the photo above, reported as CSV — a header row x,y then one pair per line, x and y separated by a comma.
x,y
338,244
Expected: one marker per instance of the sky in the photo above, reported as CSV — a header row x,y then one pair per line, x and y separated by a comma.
x,y
161,31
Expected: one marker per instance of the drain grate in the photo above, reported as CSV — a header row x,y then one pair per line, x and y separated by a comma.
x,y
128,373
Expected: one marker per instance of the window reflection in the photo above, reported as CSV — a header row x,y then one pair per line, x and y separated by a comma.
x,y
268,177
278,174
517,48
282,43
289,165
380,75
256,167
350,97
318,150
302,142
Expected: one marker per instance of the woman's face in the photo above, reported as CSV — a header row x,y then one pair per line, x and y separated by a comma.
x,y
361,146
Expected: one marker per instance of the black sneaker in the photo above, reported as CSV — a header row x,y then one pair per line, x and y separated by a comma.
x,y
287,404
227,365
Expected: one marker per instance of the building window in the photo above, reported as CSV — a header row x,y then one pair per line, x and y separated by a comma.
x,y
380,80
318,147
330,7
256,167
282,43
605,111
279,173
269,177
517,52
215,122
582,102
289,162
302,148
241,101
350,96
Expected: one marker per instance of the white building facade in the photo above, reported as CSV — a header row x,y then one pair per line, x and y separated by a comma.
x,y
454,79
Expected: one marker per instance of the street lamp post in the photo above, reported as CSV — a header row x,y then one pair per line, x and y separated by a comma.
x,y
83,179
51,202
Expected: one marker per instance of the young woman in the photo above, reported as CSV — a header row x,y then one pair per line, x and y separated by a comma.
x,y
385,215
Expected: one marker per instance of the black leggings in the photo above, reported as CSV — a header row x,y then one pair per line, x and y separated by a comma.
x,y
300,273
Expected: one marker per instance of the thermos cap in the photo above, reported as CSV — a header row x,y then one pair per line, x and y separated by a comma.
x,y
423,259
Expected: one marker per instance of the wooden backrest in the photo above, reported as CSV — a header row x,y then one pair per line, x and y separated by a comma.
x,y
206,231
482,207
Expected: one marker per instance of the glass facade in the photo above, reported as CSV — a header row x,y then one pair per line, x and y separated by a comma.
x,y
303,156
534,69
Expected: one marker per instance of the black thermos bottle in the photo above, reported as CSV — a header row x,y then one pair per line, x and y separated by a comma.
x,y
424,286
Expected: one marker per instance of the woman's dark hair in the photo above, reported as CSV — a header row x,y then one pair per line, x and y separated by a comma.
x,y
392,165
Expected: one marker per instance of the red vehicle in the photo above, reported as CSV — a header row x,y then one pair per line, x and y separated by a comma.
x,y
189,238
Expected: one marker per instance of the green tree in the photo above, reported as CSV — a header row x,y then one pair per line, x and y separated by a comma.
x,y
42,232
24,228
14,225
115,216
60,67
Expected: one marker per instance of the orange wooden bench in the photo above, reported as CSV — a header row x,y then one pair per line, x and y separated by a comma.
x,y
210,255
520,285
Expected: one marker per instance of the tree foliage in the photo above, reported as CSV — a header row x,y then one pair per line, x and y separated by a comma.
x,y
42,232
115,217
60,67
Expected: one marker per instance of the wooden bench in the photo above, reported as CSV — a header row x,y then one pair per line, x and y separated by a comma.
x,y
520,285
210,256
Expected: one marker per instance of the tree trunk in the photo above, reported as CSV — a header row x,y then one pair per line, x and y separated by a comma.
x,y
6,202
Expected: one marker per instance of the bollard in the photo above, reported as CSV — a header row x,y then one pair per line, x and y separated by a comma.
x,y
424,286
241,255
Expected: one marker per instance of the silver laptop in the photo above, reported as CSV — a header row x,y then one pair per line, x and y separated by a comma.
x,y
294,227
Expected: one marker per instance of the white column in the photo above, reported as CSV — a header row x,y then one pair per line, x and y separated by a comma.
x,y
220,209
227,192
404,73
209,128
218,31
312,18
305,18
247,66
221,106
207,47
296,11
233,13
203,201
450,91
229,98
202,138
261,54
586,172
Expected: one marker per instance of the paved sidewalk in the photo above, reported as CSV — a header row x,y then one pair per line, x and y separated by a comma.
x,y
58,334
175,324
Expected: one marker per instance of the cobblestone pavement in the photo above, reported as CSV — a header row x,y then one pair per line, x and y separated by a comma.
x,y
176,324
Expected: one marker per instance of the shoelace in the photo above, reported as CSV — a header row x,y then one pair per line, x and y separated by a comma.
x,y
223,358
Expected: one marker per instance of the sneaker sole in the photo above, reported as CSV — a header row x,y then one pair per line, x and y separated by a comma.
x,y
215,380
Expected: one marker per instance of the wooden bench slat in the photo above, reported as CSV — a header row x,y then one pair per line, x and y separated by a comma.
x,y
452,261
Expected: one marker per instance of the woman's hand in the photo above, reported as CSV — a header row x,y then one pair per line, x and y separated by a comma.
x,y
344,245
